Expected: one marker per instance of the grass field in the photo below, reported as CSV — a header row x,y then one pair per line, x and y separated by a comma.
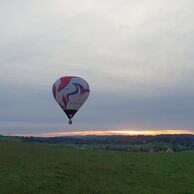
x,y
54,169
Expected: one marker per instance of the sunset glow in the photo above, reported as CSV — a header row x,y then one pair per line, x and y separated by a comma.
x,y
112,132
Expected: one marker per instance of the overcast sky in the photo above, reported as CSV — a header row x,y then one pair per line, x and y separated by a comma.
x,y
136,55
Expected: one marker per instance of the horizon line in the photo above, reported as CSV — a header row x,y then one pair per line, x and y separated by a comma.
x,y
112,132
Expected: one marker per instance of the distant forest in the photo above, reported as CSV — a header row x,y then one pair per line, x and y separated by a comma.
x,y
140,143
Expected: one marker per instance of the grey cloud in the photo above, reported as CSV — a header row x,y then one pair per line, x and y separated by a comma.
x,y
136,55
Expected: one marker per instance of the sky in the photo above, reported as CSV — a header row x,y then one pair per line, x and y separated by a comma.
x,y
136,55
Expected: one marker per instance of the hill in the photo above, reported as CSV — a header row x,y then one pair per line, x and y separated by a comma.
x,y
34,168
138,143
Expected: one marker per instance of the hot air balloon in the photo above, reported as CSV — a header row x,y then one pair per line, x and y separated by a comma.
x,y
70,92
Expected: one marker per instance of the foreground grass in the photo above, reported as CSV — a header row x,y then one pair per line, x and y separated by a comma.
x,y
47,169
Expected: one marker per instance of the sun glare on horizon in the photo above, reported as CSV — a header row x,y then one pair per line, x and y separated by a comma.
x,y
112,132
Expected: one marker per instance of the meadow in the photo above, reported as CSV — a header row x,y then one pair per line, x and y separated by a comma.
x,y
34,168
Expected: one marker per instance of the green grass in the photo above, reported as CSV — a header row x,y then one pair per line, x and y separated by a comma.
x,y
50,169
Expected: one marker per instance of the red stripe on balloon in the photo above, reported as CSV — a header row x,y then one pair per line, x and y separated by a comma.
x,y
64,82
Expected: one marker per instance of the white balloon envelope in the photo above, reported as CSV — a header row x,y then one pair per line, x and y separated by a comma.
x,y
70,92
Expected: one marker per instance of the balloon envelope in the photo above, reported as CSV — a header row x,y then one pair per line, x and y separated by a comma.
x,y
70,92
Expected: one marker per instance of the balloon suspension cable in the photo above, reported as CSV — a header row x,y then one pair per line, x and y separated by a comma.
x,y
70,122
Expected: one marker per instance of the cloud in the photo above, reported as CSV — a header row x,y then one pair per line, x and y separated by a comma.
x,y
136,55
